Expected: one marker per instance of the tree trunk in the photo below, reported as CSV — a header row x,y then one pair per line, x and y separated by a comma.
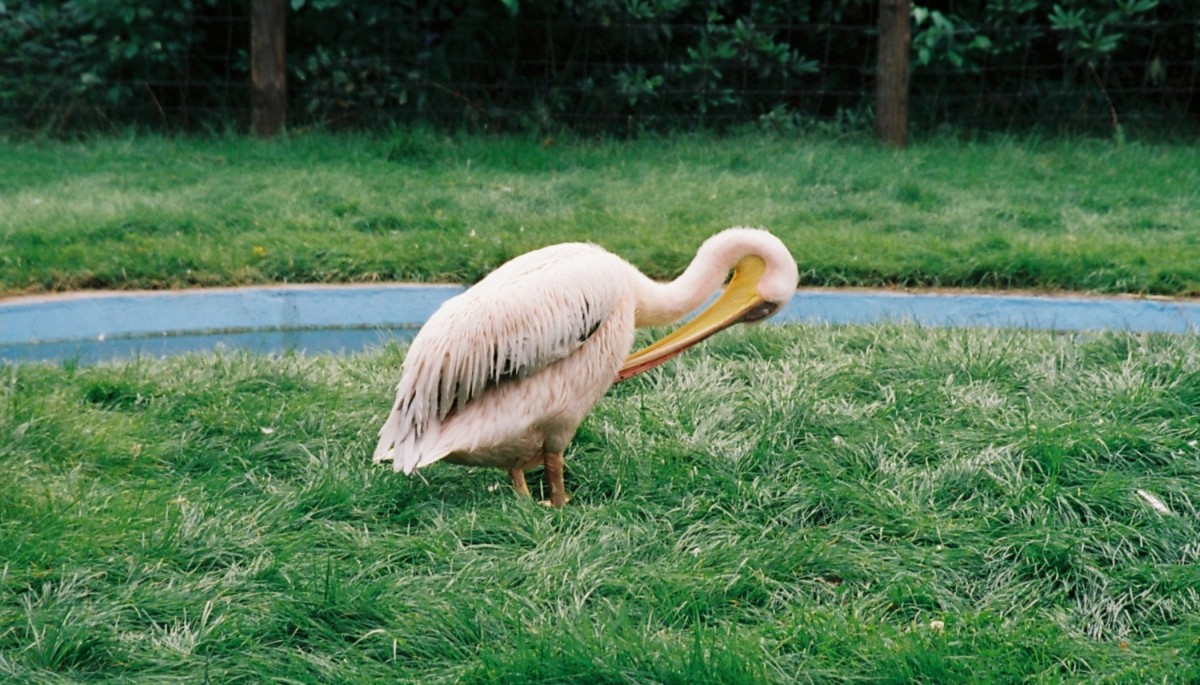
x,y
268,69
891,76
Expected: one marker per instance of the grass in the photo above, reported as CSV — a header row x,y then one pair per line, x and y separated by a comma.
x,y
147,212
794,504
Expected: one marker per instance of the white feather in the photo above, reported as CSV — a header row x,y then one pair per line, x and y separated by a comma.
x,y
1155,503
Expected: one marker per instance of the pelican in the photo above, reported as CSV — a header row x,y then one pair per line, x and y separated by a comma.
x,y
503,374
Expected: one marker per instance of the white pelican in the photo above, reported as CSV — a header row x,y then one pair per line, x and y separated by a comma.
x,y
504,373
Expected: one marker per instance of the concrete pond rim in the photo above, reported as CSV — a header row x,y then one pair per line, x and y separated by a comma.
x,y
95,325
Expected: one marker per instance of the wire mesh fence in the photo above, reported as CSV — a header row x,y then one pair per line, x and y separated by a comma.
x,y
387,62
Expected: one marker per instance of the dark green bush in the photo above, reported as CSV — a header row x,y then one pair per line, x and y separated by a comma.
x,y
579,62
77,62
597,64
1083,63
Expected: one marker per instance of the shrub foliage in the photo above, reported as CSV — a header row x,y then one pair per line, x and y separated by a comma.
x,y
606,64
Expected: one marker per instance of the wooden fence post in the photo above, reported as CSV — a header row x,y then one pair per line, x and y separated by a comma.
x,y
891,76
268,68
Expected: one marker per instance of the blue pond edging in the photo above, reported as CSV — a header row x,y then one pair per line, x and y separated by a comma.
x,y
973,310
108,314
90,327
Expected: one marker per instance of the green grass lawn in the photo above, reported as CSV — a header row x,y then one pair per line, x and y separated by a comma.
x,y
877,504
790,504
141,212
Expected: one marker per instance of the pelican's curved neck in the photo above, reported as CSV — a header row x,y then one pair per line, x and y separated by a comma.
x,y
660,304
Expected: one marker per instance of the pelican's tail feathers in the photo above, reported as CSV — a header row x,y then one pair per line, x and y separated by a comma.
x,y
387,439
403,448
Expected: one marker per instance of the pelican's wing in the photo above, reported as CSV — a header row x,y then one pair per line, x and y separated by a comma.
x,y
529,313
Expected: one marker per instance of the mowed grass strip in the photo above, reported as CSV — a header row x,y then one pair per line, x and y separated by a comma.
x,y
147,212
788,504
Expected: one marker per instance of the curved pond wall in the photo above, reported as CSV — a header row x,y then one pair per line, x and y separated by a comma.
x,y
88,327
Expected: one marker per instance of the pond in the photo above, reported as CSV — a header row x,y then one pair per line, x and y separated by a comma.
x,y
91,327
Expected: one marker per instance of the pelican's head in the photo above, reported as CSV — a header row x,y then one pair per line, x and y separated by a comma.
x,y
764,280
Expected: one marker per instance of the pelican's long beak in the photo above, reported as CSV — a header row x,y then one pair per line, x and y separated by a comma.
x,y
739,302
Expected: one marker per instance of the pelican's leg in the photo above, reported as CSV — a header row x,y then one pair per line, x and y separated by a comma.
x,y
517,473
518,479
554,476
